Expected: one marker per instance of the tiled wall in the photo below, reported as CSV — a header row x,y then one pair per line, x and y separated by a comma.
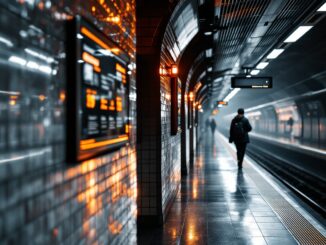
x,y
171,144
171,150
43,200
158,165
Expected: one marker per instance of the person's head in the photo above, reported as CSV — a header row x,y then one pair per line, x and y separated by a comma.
x,y
240,112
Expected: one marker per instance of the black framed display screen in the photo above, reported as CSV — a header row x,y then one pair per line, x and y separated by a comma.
x,y
251,82
97,90
175,105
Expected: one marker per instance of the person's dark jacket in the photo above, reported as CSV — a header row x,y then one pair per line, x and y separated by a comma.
x,y
246,126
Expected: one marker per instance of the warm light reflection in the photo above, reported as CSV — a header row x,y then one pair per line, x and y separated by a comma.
x,y
41,97
113,19
118,187
191,234
197,87
62,96
174,232
85,146
215,112
200,162
195,188
12,102
191,96
115,227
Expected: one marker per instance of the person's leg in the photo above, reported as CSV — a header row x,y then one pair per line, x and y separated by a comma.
x,y
242,153
237,145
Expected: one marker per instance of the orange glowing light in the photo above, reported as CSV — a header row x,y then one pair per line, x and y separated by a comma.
x,y
90,98
93,37
170,71
115,227
162,71
115,50
191,96
174,70
112,105
90,59
113,19
215,112
122,71
223,103
12,102
62,96
104,104
97,69
120,68
41,5
41,97
191,235
83,142
119,103
198,86
127,129
121,138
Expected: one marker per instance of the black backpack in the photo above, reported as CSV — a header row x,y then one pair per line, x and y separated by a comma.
x,y
238,130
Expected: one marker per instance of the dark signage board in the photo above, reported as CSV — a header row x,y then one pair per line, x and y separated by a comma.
x,y
97,92
252,82
175,105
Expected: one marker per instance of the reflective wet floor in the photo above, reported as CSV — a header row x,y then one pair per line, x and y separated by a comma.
x,y
218,204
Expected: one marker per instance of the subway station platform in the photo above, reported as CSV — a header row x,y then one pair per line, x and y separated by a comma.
x,y
106,113
221,204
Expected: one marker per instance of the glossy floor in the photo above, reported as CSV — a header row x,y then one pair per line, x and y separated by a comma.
x,y
218,204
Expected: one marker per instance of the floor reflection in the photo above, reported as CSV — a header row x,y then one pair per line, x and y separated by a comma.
x,y
217,204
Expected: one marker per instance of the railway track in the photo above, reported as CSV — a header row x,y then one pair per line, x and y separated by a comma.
x,y
309,188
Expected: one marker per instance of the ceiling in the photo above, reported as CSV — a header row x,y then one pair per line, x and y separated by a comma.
x,y
301,68
243,32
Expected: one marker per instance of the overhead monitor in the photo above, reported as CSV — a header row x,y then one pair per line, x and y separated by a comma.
x,y
252,82
222,103
97,92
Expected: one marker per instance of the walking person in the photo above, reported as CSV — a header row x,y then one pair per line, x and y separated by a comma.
x,y
239,129
213,126
207,124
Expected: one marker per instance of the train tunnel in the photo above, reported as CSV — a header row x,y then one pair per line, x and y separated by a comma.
x,y
162,122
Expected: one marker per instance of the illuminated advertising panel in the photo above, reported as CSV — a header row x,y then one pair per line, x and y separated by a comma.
x,y
97,92
251,82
